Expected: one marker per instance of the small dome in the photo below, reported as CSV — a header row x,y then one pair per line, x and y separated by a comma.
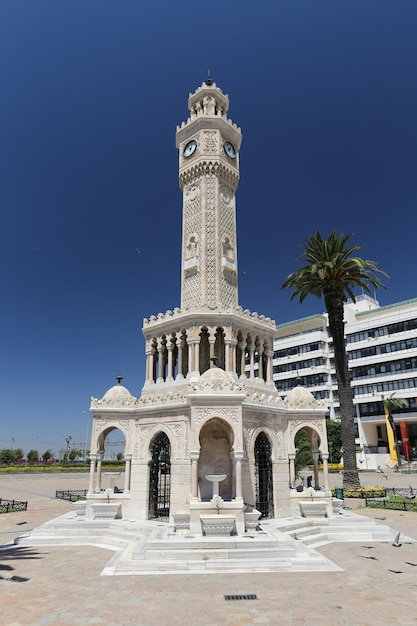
x,y
118,395
300,398
216,373
216,380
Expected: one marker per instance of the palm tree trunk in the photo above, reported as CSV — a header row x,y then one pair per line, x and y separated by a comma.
x,y
335,309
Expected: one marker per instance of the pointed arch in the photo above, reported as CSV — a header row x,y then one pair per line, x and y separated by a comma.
x,y
264,488
159,477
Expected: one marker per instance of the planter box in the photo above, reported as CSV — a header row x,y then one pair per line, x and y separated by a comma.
x,y
251,520
218,525
80,508
181,521
313,509
106,510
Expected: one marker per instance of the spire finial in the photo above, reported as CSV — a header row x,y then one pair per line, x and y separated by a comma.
x,y
209,82
119,378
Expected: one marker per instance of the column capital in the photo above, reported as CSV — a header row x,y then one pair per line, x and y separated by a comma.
x,y
237,456
291,457
194,456
324,456
128,457
93,457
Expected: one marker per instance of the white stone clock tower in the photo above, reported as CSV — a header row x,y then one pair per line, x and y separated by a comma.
x,y
208,146
208,407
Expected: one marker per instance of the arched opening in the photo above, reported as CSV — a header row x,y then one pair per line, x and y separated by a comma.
x,y
183,366
204,364
264,492
160,478
305,465
111,444
216,441
219,347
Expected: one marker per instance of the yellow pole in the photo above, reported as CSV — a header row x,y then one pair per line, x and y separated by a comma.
x,y
391,437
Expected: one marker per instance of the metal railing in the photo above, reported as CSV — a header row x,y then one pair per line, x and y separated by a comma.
x,y
10,506
72,495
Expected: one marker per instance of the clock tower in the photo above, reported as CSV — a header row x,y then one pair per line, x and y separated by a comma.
x,y
209,431
208,146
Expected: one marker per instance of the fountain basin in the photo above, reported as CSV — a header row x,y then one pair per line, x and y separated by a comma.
x,y
106,510
218,525
313,509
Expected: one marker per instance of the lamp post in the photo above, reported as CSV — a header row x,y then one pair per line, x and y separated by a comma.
x,y
68,440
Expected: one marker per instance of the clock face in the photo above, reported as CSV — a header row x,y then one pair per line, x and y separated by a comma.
x,y
229,149
190,148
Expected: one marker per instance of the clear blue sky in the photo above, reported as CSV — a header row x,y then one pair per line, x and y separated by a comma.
x,y
91,92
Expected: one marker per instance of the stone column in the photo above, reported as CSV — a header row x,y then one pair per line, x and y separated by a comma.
x,y
170,348
227,356
128,460
242,347
161,363
93,459
324,458
269,373
260,364
180,375
238,456
99,465
291,458
149,365
233,344
252,363
190,357
315,456
197,357
211,342
194,456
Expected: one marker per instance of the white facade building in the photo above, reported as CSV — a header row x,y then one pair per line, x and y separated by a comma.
x,y
382,351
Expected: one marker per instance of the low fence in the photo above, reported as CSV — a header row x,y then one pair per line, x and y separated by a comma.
x,y
10,506
398,505
72,495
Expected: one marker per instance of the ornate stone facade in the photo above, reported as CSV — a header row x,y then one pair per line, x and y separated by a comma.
x,y
203,410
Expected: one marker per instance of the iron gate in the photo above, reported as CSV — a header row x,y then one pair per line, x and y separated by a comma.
x,y
263,476
160,478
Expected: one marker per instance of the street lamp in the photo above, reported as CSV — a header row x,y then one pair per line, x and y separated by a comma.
x,y
68,440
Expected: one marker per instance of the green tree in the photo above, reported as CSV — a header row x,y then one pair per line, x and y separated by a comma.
x,y
303,456
120,456
8,456
329,270
48,454
334,440
19,453
33,456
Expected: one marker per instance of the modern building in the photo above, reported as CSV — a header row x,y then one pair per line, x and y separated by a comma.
x,y
205,436
381,344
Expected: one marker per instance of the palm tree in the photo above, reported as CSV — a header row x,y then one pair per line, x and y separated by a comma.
x,y
329,270
390,405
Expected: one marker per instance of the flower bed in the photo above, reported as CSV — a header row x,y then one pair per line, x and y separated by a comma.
x,y
363,493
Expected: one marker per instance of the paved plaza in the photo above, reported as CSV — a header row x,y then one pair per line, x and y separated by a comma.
x,y
62,585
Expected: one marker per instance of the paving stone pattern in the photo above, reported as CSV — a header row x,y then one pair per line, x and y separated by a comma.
x,y
63,586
